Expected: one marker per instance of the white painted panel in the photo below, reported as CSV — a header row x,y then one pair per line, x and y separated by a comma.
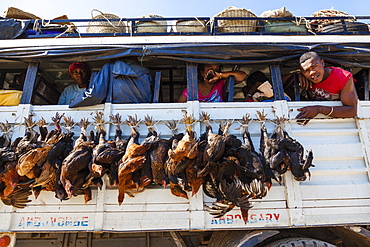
x,y
337,215
357,202
157,195
160,220
56,221
8,113
338,191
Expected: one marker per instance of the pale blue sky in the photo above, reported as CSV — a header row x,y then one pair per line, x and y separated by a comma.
x,y
81,9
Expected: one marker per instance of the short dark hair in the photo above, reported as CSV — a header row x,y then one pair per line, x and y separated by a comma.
x,y
307,56
255,77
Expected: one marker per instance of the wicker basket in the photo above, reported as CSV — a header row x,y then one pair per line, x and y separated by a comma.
x,y
191,26
157,26
105,26
14,13
236,26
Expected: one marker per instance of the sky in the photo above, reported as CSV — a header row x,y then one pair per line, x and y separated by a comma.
x,y
81,9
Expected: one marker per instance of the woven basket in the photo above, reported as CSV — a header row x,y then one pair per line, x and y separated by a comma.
x,y
105,26
235,26
14,13
157,26
191,26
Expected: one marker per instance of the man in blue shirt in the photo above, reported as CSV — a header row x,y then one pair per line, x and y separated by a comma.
x,y
80,73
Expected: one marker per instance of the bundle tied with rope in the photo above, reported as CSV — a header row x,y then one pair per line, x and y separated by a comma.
x,y
299,25
15,13
337,25
236,25
331,13
111,24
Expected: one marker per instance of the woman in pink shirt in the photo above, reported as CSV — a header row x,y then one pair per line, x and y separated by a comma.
x,y
211,83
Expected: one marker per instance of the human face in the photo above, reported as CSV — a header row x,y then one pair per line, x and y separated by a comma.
x,y
80,76
313,69
208,68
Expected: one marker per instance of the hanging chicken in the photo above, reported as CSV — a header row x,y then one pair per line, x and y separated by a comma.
x,y
75,166
120,145
132,160
214,149
180,155
158,154
281,152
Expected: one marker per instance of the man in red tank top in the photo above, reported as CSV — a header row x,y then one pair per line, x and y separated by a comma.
x,y
326,83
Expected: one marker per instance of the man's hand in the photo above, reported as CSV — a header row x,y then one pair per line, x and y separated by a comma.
x,y
306,113
304,82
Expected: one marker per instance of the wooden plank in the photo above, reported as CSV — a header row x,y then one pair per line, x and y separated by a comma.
x,y
192,81
177,239
277,82
157,86
29,83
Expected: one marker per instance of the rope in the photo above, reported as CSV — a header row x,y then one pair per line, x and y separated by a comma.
x,y
298,21
70,29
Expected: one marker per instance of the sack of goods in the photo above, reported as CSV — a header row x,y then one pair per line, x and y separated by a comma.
x,y
276,26
336,25
236,25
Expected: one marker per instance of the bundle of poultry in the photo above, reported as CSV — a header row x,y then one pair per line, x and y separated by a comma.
x,y
214,149
132,160
180,156
104,156
119,145
47,179
238,177
231,170
158,154
74,168
281,152
31,162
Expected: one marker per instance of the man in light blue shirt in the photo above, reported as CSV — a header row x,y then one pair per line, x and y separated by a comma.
x,y
80,73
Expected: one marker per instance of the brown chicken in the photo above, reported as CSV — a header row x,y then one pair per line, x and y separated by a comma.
x,y
133,158
30,163
157,154
180,157
18,198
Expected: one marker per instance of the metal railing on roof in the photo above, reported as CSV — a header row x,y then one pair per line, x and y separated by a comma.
x,y
346,25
